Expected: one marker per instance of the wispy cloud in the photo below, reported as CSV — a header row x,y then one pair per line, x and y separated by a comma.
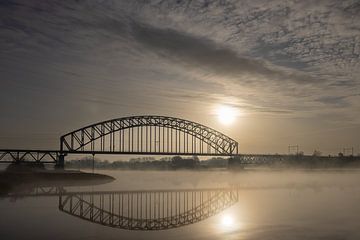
x,y
297,58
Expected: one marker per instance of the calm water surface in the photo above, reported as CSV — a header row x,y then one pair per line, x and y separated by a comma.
x,y
269,205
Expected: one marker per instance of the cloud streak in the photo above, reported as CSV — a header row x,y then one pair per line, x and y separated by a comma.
x,y
295,59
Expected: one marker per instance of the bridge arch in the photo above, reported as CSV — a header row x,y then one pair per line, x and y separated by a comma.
x,y
157,135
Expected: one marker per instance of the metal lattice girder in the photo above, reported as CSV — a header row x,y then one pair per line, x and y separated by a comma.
x,y
148,135
21,155
260,158
148,210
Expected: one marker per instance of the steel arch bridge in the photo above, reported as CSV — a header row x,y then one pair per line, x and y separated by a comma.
x,y
140,135
150,135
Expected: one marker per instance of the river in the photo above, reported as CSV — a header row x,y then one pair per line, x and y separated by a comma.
x,y
251,204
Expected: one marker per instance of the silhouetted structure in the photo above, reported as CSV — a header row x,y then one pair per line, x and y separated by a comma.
x,y
147,135
298,160
157,135
22,155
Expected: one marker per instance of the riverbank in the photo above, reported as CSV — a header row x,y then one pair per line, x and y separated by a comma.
x,y
17,178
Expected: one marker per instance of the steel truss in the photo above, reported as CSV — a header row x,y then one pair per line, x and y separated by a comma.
x,y
19,155
260,158
148,210
156,135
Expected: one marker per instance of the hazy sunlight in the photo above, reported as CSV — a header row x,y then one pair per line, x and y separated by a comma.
x,y
226,114
227,221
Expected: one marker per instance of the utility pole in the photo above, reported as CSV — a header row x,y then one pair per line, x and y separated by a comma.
x,y
93,162
292,147
348,149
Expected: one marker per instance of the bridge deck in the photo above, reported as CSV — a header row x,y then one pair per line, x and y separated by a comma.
x,y
52,156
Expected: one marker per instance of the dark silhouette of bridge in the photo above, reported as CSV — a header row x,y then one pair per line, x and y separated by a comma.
x,y
140,135
148,135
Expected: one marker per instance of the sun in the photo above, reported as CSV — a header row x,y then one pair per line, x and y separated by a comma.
x,y
227,221
226,114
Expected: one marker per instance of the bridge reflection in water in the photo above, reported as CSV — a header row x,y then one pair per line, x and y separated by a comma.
x,y
147,210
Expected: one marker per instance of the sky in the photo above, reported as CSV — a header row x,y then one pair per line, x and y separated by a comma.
x,y
289,69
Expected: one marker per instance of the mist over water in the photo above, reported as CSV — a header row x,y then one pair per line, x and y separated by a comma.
x,y
271,205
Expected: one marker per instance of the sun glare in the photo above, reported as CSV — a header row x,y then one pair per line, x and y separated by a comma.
x,y
227,221
226,114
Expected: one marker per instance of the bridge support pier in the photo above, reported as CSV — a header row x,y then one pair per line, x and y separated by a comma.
x,y
61,161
